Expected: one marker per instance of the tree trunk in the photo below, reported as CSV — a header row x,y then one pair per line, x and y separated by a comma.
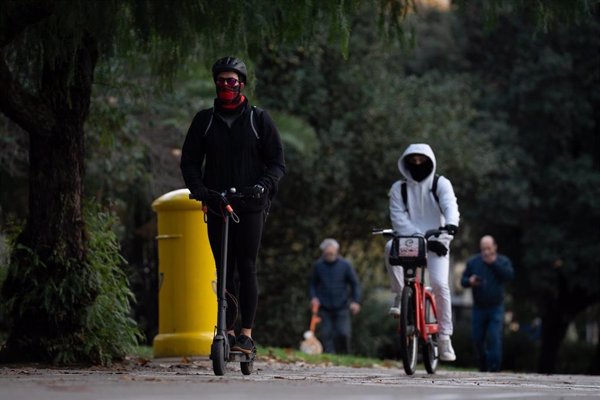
x,y
50,285
554,329
559,310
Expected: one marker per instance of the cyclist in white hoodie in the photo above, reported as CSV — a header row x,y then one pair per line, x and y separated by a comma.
x,y
424,209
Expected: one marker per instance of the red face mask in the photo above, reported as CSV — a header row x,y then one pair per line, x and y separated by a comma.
x,y
228,94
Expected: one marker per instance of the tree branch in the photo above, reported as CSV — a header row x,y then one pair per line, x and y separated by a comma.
x,y
18,15
22,107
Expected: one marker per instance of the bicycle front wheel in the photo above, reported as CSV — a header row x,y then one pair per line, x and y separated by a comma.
x,y
430,348
409,340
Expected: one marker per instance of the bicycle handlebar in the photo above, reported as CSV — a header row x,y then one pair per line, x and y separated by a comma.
x,y
391,233
383,232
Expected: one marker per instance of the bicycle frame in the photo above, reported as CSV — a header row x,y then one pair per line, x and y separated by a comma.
x,y
424,327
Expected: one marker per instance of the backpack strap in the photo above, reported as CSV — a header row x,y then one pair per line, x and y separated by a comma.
x,y
210,121
404,195
434,187
252,124
256,121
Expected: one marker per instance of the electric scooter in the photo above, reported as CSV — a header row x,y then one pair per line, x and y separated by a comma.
x,y
220,353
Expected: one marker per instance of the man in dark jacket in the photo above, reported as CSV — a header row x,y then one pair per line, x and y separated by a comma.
x,y
331,277
485,274
234,145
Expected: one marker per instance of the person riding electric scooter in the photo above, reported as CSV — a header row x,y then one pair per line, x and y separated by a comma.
x,y
234,145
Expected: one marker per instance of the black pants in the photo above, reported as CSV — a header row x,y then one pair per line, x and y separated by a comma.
x,y
243,245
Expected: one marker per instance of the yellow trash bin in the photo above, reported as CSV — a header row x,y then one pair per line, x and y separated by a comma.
x,y
187,303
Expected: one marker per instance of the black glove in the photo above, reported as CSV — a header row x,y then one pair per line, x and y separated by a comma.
x,y
451,229
437,247
258,191
200,194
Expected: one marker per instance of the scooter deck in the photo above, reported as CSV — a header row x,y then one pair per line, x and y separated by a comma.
x,y
238,356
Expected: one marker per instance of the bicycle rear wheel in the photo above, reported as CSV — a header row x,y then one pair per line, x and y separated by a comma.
x,y
408,333
430,347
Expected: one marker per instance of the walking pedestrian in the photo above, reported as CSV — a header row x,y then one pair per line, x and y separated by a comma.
x,y
334,288
486,274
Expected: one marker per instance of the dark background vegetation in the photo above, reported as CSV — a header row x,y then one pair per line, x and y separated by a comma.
x,y
507,97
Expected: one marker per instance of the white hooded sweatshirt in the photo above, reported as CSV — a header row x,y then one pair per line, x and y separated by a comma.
x,y
423,211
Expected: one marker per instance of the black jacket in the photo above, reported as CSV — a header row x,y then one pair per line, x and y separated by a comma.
x,y
222,157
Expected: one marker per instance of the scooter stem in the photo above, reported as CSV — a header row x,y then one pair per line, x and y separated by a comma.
x,y
222,300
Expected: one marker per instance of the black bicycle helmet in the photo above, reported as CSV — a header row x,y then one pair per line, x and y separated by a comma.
x,y
230,64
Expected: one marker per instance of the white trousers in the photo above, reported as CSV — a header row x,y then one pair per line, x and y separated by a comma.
x,y
438,268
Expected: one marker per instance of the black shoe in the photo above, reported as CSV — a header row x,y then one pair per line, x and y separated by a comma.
x,y
244,344
231,339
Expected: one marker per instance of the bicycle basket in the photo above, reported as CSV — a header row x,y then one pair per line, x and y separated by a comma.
x,y
408,251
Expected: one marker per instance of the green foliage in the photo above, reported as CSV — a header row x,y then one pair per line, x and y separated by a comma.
x,y
546,86
543,15
374,333
540,203
169,34
34,298
42,308
112,333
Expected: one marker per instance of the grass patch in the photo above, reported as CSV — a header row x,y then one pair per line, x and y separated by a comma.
x,y
145,352
288,355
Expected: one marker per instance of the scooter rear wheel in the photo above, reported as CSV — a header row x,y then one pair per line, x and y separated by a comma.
x,y
247,367
218,357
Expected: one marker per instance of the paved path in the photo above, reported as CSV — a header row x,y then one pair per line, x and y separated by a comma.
x,y
173,379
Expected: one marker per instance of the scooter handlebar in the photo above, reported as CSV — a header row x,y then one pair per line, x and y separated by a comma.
x,y
248,192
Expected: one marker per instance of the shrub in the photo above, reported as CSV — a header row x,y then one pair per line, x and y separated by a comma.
x,y
81,314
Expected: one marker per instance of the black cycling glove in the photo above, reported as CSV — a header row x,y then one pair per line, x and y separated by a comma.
x,y
201,193
451,229
258,191
437,247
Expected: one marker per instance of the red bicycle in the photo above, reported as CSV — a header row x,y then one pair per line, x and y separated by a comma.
x,y
418,325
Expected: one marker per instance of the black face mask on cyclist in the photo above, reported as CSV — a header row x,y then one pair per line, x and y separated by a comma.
x,y
420,171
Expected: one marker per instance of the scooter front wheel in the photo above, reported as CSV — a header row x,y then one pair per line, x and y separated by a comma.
x,y
218,356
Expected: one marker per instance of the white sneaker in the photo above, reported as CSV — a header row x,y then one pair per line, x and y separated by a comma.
x,y
394,312
395,308
446,351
